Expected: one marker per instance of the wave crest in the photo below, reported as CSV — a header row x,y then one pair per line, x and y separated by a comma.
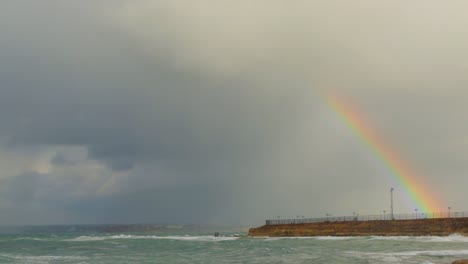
x,y
182,238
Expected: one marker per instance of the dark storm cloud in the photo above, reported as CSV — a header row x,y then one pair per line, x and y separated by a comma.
x,y
210,112
60,160
189,133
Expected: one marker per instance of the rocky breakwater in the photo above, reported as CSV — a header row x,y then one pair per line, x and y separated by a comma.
x,y
416,227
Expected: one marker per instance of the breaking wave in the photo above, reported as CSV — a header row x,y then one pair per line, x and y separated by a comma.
x,y
181,238
42,259
462,252
455,238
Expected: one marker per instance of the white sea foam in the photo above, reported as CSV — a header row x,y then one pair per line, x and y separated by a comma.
x,y
452,238
311,237
335,238
43,259
30,238
432,253
455,238
393,255
282,238
198,238
182,238
87,238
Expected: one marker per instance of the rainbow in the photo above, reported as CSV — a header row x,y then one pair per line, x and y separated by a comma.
x,y
409,181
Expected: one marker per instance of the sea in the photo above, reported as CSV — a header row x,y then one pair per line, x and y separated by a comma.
x,y
174,244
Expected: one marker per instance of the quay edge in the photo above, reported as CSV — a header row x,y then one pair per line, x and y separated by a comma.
x,y
415,227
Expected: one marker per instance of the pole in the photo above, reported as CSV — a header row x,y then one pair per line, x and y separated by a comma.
x,y
391,203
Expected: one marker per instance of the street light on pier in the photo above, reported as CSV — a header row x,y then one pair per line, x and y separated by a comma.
x,y
355,216
449,211
384,211
391,204
416,212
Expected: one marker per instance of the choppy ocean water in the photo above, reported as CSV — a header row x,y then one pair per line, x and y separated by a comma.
x,y
202,247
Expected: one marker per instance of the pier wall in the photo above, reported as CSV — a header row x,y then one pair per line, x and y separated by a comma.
x,y
415,227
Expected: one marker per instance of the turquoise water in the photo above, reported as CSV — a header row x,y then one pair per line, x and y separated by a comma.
x,y
203,247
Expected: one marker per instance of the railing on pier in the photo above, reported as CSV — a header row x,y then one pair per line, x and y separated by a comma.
x,y
367,218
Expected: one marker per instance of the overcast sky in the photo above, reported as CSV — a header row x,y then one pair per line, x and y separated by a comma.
x,y
209,111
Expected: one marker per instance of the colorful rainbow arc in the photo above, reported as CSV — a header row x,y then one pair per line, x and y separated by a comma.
x,y
413,186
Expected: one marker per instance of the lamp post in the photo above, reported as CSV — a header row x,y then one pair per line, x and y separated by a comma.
x,y
391,204
384,211
355,216
449,211
416,213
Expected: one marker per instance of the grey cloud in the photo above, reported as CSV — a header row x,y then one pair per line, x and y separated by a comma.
x,y
61,160
69,156
211,111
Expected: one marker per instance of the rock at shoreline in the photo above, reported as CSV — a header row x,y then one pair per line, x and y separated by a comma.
x,y
460,261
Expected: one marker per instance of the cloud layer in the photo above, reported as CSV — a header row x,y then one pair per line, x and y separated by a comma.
x,y
210,112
